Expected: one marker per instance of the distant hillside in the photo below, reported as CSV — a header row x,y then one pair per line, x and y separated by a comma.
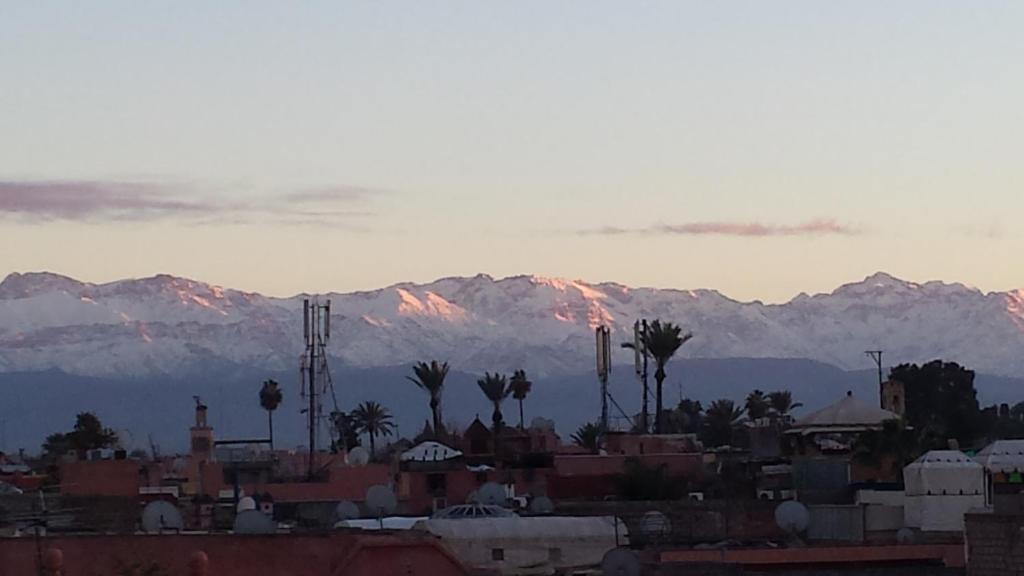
x,y
33,405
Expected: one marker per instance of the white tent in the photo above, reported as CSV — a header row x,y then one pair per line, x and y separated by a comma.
x,y
1002,456
430,451
532,545
942,486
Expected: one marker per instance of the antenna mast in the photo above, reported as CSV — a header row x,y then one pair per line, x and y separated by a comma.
x,y
604,366
316,323
876,356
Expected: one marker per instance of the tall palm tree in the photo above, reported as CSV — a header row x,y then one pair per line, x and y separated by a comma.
x,y
781,404
373,419
270,398
757,405
588,436
721,420
662,341
495,387
430,377
521,386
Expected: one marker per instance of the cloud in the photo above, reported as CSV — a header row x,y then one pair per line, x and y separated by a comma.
x,y
111,201
722,228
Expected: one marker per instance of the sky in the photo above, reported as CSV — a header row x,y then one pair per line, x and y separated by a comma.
x,y
759,148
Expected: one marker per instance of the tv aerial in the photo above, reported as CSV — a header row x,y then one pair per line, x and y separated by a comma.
x,y
358,456
381,502
245,504
492,494
541,505
620,562
161,515
792,517
254,522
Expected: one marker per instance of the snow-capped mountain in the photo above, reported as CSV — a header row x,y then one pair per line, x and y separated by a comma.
x,y
168,325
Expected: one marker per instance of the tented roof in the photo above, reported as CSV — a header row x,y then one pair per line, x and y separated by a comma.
x,y
944,472
1006,456
430,451
847,412
530,528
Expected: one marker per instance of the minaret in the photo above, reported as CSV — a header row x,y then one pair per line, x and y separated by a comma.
x,y
202,435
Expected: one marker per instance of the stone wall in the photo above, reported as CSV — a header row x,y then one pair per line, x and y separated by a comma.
x,y
995,544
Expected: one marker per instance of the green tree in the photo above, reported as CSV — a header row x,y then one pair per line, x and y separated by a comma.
x,y
722,420
781,404
521,387
495,387
941,403
588,436
345,429
374,420
757,405
88,434
430,378
270,399
662,341
890,449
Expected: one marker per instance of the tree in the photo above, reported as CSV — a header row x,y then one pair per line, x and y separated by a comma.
x,y
941,403
662,341
495,387
692,415
373,419
521,386
345,428
430,378
781,404
588,436
757,405
88,434
890,449
721,420
270,399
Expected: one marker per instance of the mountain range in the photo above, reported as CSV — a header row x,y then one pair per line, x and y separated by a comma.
x,y
173,326
136,351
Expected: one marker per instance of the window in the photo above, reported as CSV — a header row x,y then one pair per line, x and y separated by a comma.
x,y
498,554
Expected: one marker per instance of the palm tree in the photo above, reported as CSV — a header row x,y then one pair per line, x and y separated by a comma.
x,y
495,387
521,386
782,404
757,405
373,419
588,436
721,420
430,377
662,341
270,399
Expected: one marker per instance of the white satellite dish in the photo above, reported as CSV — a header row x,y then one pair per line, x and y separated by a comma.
x,y
904,536
246,504
655,524
346,510
161,515
380,500
492,494
541,505
620,562
792,517
254,522
358,456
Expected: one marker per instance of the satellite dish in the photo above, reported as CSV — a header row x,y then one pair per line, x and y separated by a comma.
x,y
492,494
380,500
792,517
358,456
161,515
904,536
620,562
654,524
541,505
245,504
254,522
346,510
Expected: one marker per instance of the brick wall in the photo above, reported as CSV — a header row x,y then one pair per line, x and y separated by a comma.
x,y
995,545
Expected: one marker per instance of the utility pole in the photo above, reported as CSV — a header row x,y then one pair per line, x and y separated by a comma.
x,y
640,355
876,356
604,366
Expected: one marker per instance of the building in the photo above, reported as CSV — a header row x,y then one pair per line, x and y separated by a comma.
x,y
894,397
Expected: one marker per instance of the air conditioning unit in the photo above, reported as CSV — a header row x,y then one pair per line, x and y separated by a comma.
x,y
766,495
697,496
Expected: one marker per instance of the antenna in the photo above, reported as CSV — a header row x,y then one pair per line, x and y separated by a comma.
x,y
492,494
604,367
346,510
876,355
541,505
381,501
620,562
793,517
358,456
161,515
316,379
254,522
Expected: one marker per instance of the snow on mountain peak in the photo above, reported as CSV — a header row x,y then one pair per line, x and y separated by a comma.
x,y
17,285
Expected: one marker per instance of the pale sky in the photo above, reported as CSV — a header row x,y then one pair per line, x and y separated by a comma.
x,y
759,148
